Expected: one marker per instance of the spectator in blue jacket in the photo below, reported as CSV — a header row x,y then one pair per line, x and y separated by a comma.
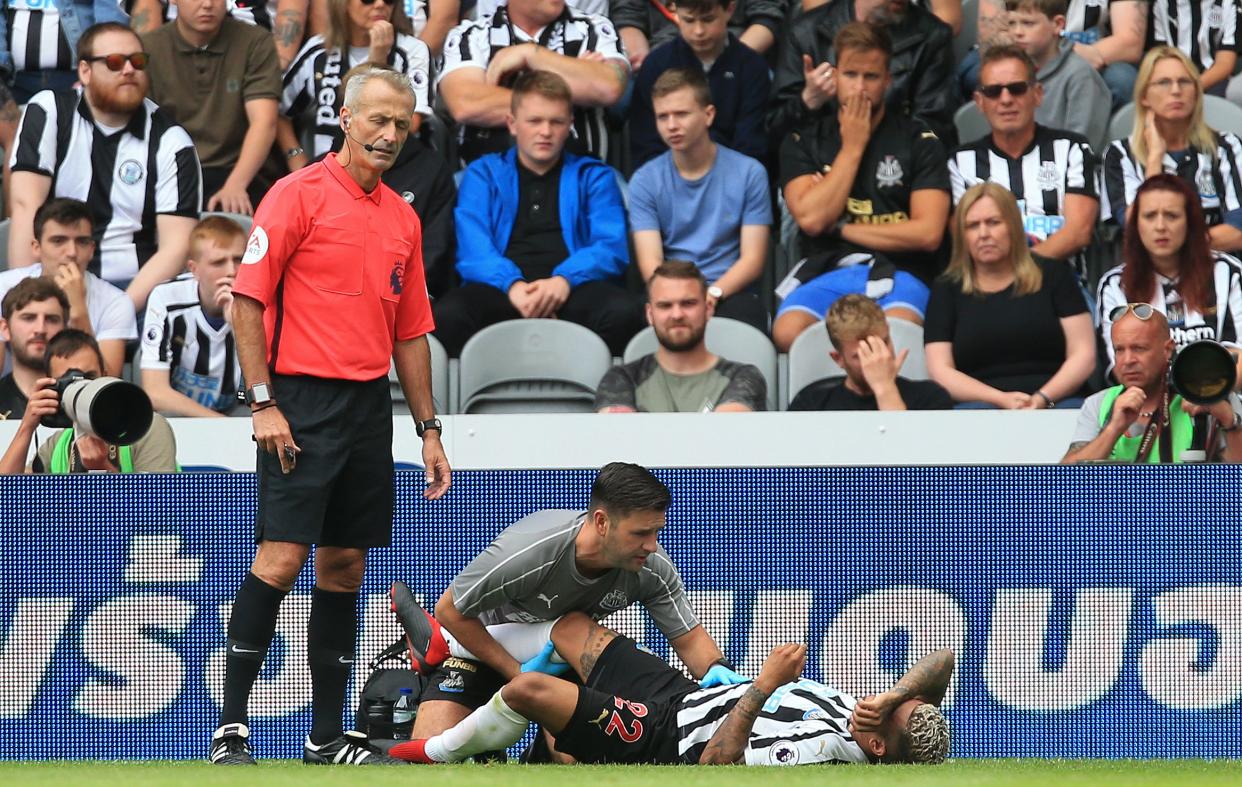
x,y
540,232
736,74
39,41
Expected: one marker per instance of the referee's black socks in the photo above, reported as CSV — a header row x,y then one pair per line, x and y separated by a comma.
x,y
251,626
331,638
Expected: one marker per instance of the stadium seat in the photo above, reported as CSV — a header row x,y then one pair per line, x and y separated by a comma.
x,y
4,244
965,40
809,361
532,366
1220,113
732,339
970,123
241,218
440,388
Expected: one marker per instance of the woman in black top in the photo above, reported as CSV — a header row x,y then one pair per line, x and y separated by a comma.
x,y
1005,328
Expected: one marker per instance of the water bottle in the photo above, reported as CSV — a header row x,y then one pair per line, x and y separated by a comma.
x,y
403,715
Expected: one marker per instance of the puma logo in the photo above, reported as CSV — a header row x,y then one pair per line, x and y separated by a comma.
x,y
547,600
599,721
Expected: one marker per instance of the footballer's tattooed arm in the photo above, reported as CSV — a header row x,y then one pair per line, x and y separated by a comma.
x,y
728,744
928,679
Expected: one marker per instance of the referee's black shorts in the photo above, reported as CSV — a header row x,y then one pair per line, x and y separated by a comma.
x,y
340,493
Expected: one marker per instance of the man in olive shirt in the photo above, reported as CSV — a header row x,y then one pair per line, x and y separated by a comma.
x,y
681,376
220,79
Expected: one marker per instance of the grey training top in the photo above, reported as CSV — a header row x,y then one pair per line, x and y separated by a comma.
x,y
529,575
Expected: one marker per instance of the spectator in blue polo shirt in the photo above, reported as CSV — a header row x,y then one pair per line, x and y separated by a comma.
x,y
736,74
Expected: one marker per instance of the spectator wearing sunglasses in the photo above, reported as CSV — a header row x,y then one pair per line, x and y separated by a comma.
x,y
1006,328
1052,173
1167,264
1142,420
145,205
1171,135
220,78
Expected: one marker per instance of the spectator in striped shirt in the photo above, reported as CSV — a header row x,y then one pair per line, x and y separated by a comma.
x,y
358,32
1171,135
1206,31
38,41
1052,173
145,204
483,58
189,358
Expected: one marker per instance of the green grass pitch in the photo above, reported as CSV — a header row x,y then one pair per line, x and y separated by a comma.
x,y
958,773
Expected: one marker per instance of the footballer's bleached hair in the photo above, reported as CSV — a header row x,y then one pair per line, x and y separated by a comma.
x,y
928,732
358,77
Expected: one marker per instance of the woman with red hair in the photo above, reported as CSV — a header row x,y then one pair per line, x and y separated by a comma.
x,y
1167,262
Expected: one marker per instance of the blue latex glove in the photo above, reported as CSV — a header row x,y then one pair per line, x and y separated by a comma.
x,y
720,675
543,663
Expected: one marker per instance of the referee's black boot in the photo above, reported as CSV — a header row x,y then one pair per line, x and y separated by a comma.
x,y
230,745
352,748
427,647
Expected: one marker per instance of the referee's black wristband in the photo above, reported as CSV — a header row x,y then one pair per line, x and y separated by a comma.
x,y
263,406
724,662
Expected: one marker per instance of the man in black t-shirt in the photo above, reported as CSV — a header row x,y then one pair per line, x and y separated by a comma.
x,y
864,177
863,348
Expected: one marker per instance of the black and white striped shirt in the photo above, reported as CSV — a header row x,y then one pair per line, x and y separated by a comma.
x,y
801,723
1216,179
313,83
1086,14
128,176
1200,28
1186,325
573,34
1057,163
201,359
35,37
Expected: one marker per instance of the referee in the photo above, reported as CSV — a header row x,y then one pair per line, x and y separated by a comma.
x,y
330,289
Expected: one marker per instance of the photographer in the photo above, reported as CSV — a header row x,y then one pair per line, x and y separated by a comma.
x,y
1143,420
62,452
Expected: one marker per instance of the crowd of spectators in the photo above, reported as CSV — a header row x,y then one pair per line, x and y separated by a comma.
x,y
625,163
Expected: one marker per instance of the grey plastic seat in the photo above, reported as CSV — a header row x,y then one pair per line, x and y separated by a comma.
x,y
4,243
439,381
731,339
809,361
532,366
970,123
245,221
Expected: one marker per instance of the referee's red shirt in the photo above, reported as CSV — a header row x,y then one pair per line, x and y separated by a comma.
x,y
339,272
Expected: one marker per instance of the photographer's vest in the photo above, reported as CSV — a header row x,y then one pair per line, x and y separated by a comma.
x,y
1126,449
60,455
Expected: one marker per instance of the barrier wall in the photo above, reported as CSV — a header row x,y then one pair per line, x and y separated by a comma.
x,y
1096,611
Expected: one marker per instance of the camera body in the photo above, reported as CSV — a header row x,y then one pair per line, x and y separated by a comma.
x,y
118,412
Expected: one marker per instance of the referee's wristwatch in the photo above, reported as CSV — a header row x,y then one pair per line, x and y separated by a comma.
x,y
259,396
421,427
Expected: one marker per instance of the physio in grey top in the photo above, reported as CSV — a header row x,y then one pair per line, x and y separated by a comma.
x,y
553,562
